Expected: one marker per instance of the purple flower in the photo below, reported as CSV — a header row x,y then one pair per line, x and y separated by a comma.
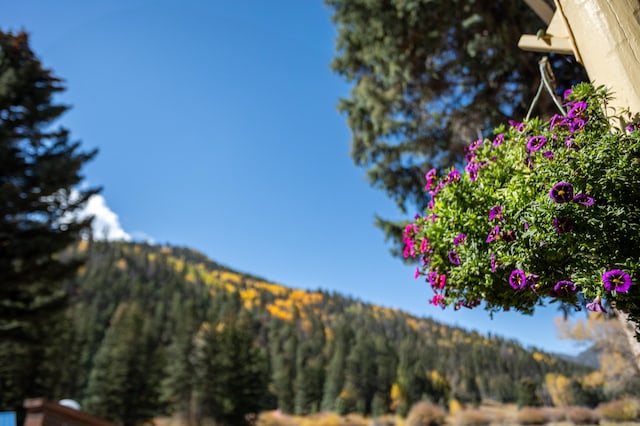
x,y
432,277
494,262
475,145
517,125
498,139
564,288
425,246
570,143
577,124
632,128
577,108
472,169
459,239
417,273
535,143
596,306
556,120
494,234
453,176
561,192
454,257
567,93
496,213
617,280
517,279
532,281
583,200
438,300
549,154
430,177
563,224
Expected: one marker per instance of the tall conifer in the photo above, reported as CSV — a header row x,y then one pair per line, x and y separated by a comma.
x,y
39,197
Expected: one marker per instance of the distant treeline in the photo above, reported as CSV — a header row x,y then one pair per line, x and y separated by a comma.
x,y
154,330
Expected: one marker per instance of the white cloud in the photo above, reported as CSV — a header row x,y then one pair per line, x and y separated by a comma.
x,y
106,225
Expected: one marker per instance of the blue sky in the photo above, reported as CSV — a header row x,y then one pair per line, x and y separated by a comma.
x,y
217,128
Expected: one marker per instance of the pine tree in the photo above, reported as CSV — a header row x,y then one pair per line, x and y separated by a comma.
x,y
39,197
232,374
429,77
123,384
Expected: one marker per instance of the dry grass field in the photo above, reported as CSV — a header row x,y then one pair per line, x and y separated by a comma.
x,y
486,415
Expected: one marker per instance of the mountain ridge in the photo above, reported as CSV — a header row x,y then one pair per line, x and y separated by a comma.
x,y
197,321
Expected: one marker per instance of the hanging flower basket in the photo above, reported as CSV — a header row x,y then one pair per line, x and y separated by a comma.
x,y
543,212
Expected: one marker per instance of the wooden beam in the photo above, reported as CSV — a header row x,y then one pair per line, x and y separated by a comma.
x,y
542,9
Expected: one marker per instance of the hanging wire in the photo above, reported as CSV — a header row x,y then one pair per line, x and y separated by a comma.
x,y
546,80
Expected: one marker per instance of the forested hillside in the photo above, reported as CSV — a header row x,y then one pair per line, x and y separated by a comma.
x,y
155,330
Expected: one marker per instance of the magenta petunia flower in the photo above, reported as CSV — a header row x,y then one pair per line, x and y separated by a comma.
x,y
567,93
535,143
582,199
563,224
555,121
517,279
498,140
496,213
616,280
494,234
549,154
532,281
459,239
442,281
425,246
577,108
564,288
475,144
561,192
437,300
454,257
517,125
430,177
596,306
432,277
577,124
417,273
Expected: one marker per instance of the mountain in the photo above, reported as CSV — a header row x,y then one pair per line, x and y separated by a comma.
x,y
157,329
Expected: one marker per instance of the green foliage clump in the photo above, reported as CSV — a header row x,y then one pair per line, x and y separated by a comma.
x,y
545,210
582,416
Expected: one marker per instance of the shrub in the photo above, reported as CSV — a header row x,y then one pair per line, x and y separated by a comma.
x,y
583,416
532,416
621,410
555,414
355,420
473,418
275,418
425,414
